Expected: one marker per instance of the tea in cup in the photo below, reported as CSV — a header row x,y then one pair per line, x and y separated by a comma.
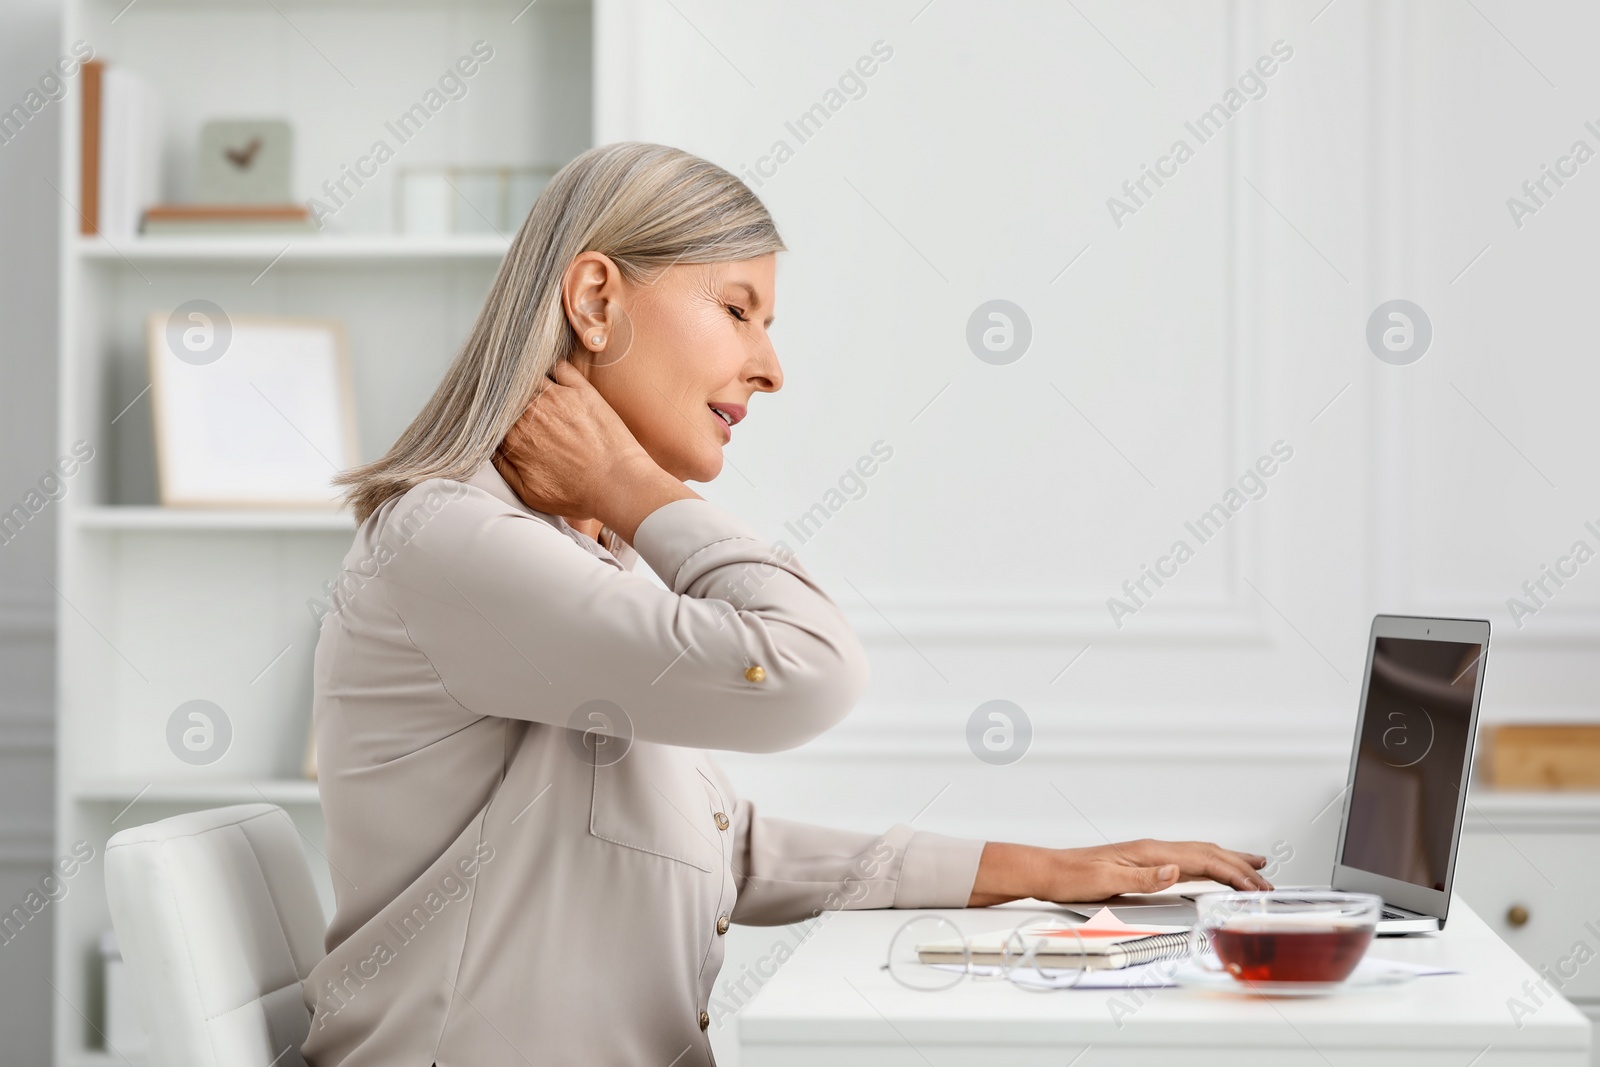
x,y
1288,936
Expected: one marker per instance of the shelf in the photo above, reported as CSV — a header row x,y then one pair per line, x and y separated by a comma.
x,y
96,1058
184,519
264,249
295,791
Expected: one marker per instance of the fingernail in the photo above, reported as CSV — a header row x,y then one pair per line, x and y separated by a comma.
x,y
1168,873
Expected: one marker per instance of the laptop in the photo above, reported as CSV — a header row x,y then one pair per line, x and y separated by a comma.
x,y
1409,768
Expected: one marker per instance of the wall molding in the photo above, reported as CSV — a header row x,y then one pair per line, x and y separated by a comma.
x,y
906,731
921,745
1017,616
1063,734
1013,619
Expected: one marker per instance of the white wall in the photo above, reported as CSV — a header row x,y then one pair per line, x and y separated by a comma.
x,y
29,44
1228,312
1224,315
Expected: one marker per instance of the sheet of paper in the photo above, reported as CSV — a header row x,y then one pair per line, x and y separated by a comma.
x,y
1158,974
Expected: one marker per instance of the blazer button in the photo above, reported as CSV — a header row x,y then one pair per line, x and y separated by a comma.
x,y
755,674
705,1021
722,821
722,924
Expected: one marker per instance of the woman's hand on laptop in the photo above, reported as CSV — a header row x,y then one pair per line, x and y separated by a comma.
x,y
1068,875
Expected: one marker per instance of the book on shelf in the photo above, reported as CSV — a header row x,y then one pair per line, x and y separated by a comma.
x,y
89,149
182,220
120,150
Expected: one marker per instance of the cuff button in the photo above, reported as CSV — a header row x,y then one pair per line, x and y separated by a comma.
x,y
755,674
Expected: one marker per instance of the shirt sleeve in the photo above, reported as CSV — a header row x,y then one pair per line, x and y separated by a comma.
x,y
789,871
520,622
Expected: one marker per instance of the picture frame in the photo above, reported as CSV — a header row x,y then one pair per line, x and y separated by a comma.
x,y
250,411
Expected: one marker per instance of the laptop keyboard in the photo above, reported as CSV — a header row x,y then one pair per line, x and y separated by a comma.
x,y
1388,913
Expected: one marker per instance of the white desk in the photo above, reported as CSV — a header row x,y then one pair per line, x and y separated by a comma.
x,y
832,1004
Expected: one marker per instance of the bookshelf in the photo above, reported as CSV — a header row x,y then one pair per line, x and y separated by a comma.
x,y
160,606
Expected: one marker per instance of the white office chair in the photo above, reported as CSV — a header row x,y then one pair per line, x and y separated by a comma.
x,y
218,922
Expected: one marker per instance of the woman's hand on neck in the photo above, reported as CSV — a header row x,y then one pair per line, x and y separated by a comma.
x,y
569,452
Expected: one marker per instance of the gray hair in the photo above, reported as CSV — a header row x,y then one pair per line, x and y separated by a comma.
x,y
647,207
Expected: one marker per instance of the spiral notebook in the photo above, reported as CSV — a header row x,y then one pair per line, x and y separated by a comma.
x,y
1102,942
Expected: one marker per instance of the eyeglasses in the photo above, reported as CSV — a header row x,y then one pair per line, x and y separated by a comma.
x,y
930,953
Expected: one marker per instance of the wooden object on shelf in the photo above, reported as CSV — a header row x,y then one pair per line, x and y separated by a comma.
x,y
171,220
89,149
1530,756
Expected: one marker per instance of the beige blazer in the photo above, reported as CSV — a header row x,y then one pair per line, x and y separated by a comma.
x,y
534,859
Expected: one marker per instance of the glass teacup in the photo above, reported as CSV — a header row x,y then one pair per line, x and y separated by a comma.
x,y
1286,935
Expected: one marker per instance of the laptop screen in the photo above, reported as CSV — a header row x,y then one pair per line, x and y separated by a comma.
x,y
1411,758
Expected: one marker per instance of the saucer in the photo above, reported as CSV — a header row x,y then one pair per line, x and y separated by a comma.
x,y
1364,978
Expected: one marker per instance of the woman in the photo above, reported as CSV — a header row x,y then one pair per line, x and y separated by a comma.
x,y
535,858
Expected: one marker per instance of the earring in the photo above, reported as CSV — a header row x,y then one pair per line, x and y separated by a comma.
x,y
597,340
